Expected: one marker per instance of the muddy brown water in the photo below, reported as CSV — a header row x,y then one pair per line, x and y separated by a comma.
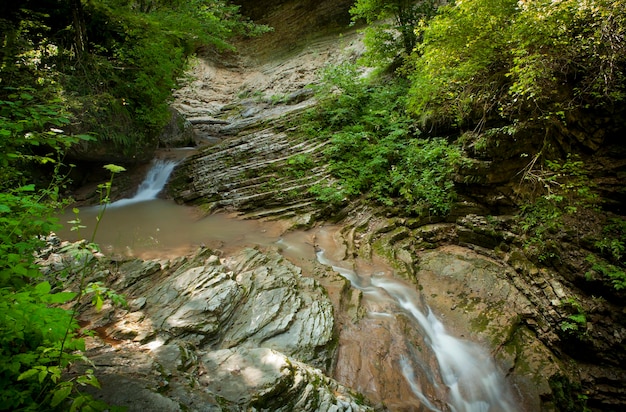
x,y
161,228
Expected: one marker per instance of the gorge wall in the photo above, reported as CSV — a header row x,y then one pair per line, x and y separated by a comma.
x,y
472,268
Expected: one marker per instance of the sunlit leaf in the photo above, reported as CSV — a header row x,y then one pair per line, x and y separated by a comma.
x,y
27,374
114,168
43,288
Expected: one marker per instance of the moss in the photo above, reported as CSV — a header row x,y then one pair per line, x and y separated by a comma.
x,y
567,395
479,323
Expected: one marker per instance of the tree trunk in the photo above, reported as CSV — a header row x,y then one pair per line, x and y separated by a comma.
x,y
80,29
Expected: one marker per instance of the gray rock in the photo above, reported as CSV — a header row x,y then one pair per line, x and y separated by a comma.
x,y
248,332
178,132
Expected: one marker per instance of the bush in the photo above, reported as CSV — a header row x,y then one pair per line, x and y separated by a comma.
x,y
374,149
424,177
485,60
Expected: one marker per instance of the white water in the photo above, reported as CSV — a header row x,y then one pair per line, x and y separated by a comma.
x,y
152,185
473,381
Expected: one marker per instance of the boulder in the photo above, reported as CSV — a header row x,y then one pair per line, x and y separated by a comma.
x,y
204,333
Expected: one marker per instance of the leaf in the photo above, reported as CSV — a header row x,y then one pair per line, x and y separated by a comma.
x,y
27,374
578,318
89,379
60,297
98,302
43,288
60,395
27,188
42,375
77,403
114,168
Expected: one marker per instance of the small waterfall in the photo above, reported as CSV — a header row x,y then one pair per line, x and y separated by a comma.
x,y
473,381
152,185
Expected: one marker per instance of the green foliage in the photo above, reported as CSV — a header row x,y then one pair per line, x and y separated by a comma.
x,y
39,339
575,324
566,395
299,165
459,69
487,60
31,133
329,194
615,274
610,263
391,33
559,192
613,243
115,63
424,176
373,148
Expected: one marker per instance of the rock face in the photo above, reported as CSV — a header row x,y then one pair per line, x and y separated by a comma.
x,y
257,183
246,332
242,107
476,276
178,132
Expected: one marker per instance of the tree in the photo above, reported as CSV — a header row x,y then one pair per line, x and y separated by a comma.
x,y
115,62
391,32
501,61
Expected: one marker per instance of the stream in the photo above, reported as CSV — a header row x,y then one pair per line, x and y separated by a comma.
x,y
439,371
472,380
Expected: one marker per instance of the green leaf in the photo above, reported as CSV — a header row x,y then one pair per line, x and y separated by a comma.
x,y
89,379
60,395
27,374
98,302
114,168
60,297
27,188
78,402
42,375
43,288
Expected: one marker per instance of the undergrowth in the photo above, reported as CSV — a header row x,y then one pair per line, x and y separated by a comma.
x,y
375,149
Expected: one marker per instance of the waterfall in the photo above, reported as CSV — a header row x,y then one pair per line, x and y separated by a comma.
x,y
473,381
153,183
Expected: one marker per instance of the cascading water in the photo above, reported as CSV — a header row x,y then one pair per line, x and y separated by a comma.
x,y
472,380
152,185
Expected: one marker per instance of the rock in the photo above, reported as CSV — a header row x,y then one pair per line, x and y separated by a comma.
x,y
204,333
267,380
178,132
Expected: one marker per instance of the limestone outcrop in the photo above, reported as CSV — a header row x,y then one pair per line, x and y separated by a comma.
x,y
204,333
243,106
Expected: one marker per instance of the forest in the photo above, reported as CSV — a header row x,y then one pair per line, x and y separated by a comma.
x,y
539,85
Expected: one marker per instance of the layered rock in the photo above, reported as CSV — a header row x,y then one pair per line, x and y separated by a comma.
x,y
244,332
476,275
244,110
